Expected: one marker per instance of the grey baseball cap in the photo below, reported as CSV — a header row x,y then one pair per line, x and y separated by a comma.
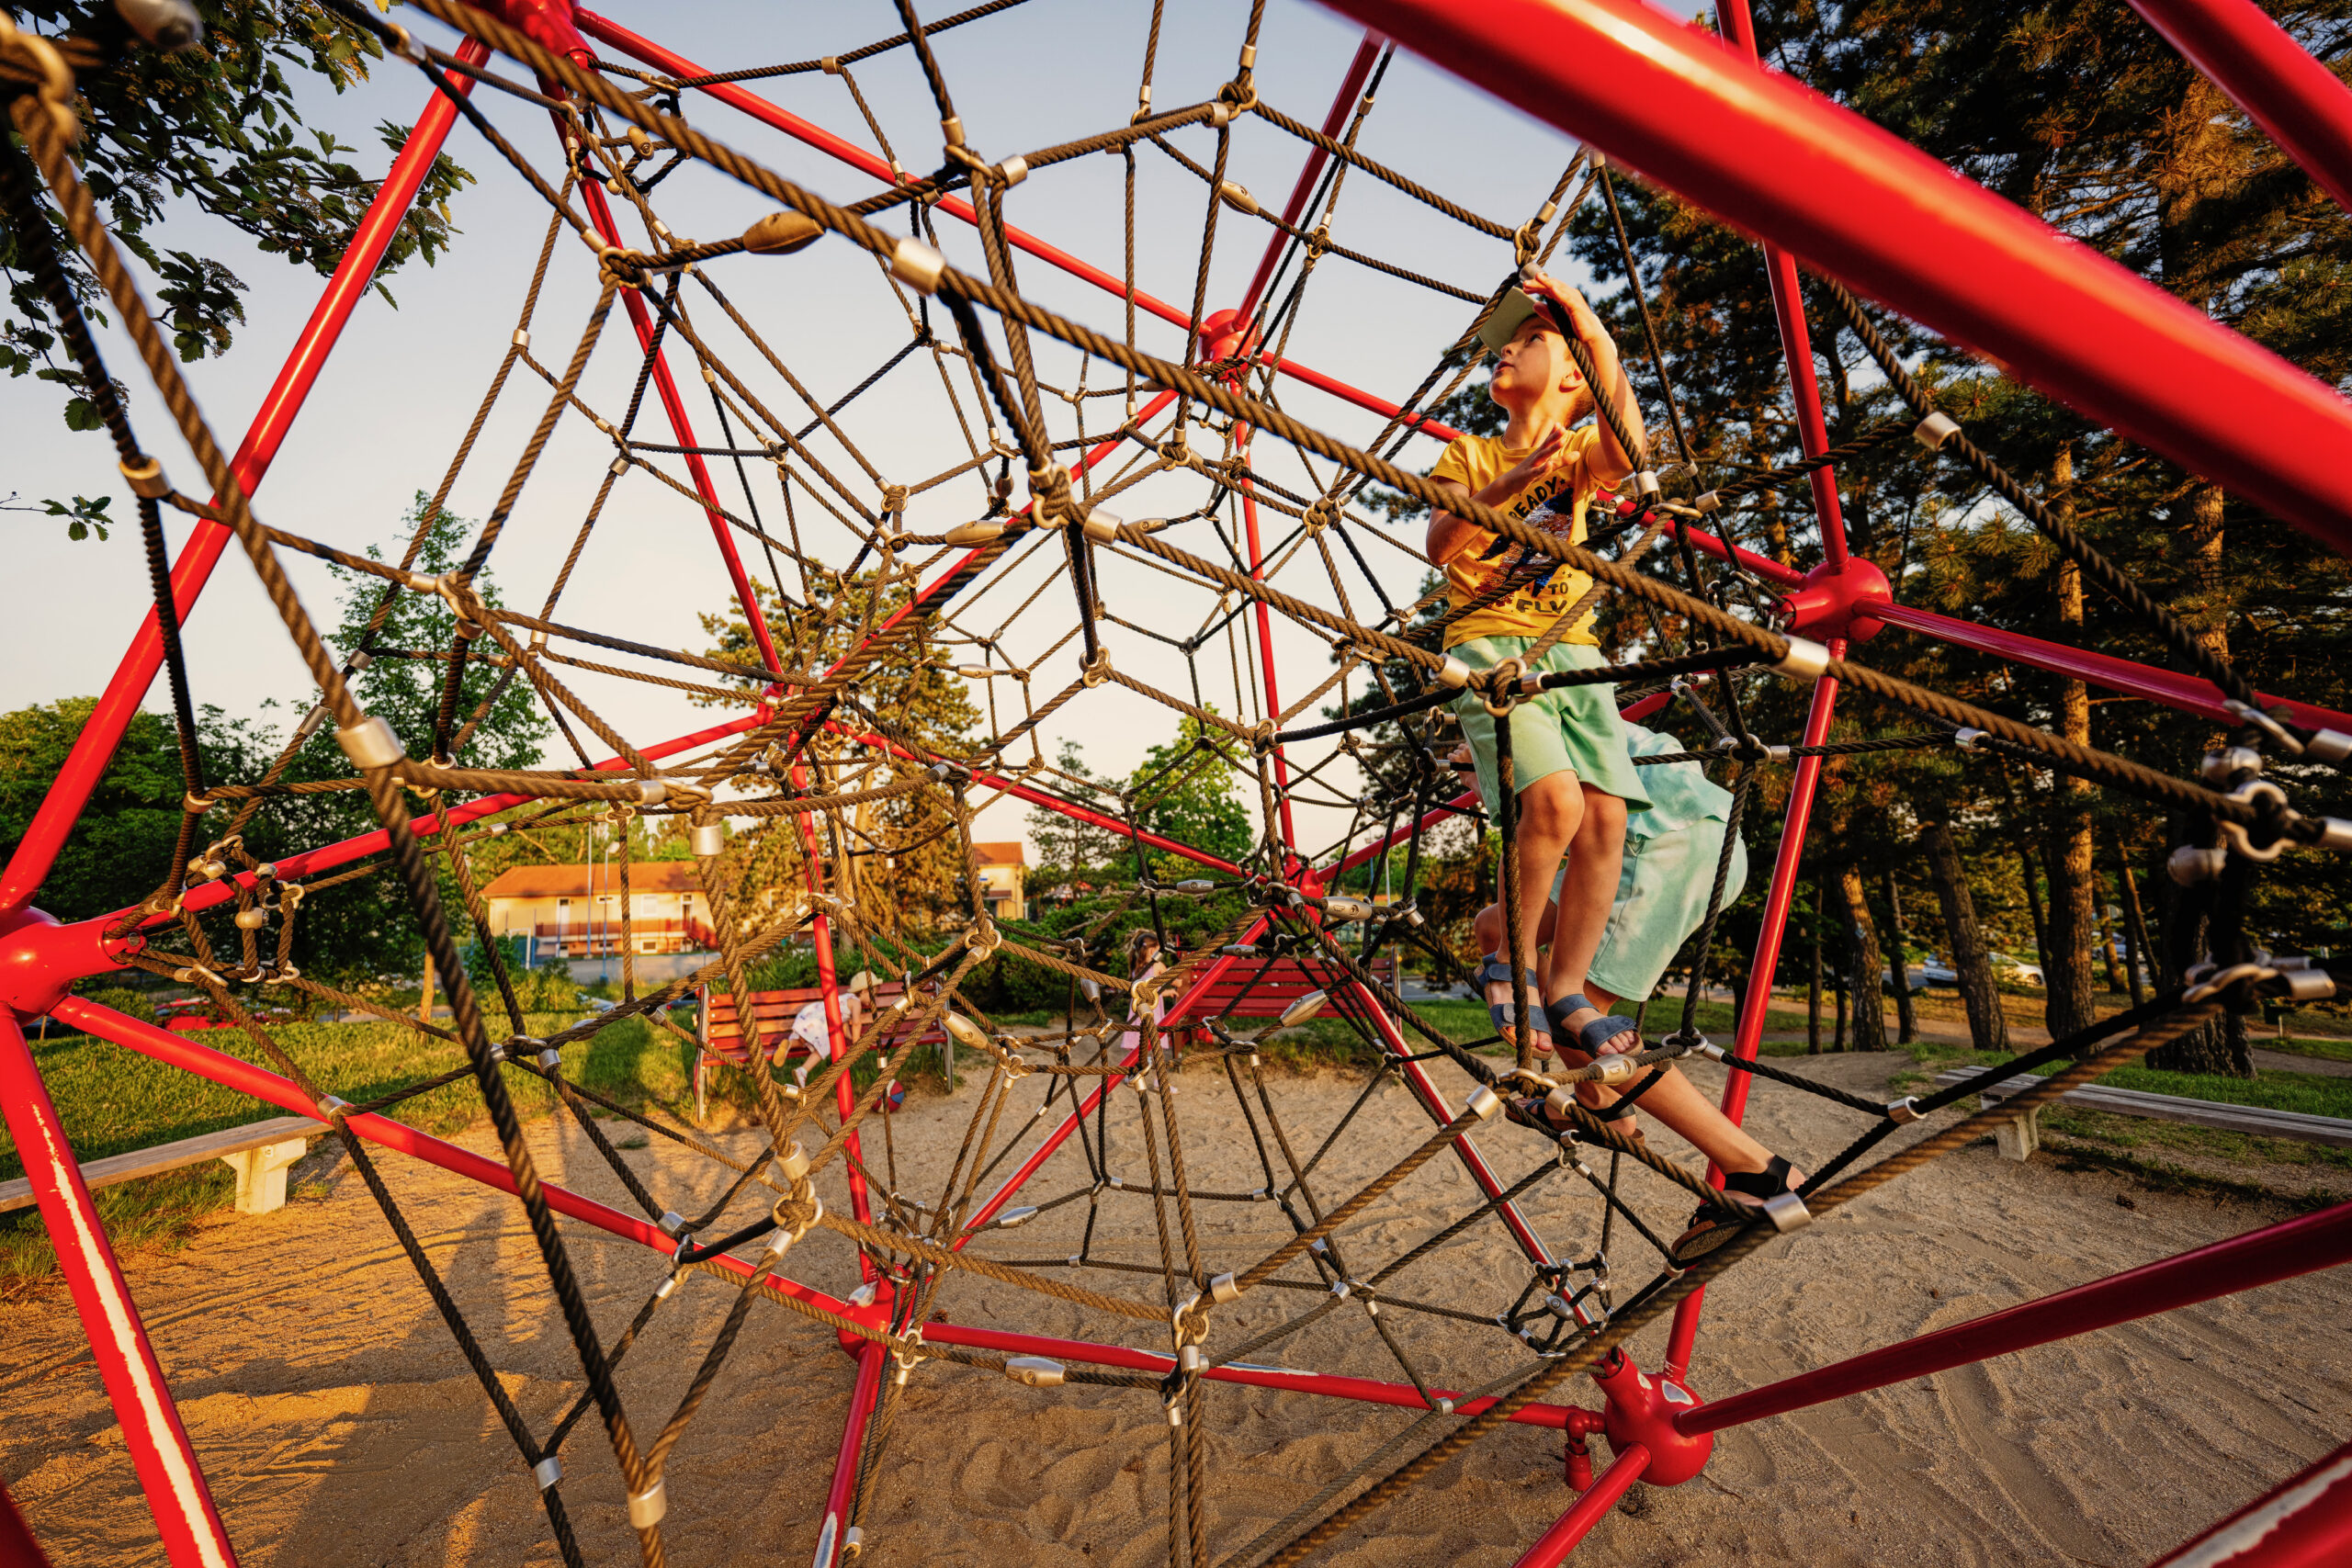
x,y
1506,321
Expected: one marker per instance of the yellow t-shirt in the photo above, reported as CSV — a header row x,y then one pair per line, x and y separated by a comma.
x,y
1475,462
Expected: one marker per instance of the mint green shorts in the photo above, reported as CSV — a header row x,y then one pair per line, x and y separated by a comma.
x,y
1573,730
1661,899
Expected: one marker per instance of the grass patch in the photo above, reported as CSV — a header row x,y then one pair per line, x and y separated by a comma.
x,y
2326,1049
113,1100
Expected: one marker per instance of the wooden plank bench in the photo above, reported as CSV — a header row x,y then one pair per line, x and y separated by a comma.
x,y
259,1153
719,1027
2021,1134
1243,991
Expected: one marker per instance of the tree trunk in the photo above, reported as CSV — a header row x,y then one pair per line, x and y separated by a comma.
x,y
424,996
2066,1002
2107,940
1862,964
2140,951
1988,1027
1838,981
1813,986
2033,878
2219,1048
1906,1017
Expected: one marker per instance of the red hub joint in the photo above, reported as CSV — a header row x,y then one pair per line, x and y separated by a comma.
x,y
874,1313
1642,1410
1221,337
40,958
1839,603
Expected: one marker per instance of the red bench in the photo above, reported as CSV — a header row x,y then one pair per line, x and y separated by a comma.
x,y
719,1027
1251,988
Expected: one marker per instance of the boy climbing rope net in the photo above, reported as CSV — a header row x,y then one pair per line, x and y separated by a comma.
x,y
1569,767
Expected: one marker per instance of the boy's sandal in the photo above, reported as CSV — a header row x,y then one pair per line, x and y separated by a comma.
x,y
1593,1036
1710,1230
1505,1014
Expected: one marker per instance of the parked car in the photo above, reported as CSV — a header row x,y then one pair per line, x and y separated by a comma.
x,y
2008,967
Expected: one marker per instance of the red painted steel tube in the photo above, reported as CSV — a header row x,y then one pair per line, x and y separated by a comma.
x,y
1758,999
600,214
1551,1547
1370,1390
160,1452
60,808
605,30
2186,692
179,1051
1764,567
1265,640
1071,1121
1788,165
2258,1258
841,1495
2305,1522
18,1547
1416,1079
2303,105
1796,338
820,937
1342,101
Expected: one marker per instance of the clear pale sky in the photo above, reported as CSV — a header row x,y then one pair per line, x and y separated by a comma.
x,y
403,383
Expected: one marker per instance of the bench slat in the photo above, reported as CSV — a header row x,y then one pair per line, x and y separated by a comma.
x,y
163,1158
2257,1120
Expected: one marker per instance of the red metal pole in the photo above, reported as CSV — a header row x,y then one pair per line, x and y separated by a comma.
x,y
2304,106
1551,1547
2258,1258
160,1452
2186,692
605,30
1416,1078
600,214
1796,338
1766,963
1368,1391
841,1495
178,1051
18,1547
2305,1522
1265,639
53,822
1071,1121
1341,102
1788,165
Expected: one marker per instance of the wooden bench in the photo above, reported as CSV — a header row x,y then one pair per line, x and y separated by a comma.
x,y
1251,988
718,1028
259,1153
2021,1134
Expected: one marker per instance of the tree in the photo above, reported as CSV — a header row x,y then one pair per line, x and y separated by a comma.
x,y
900,859
219,126
1186,790
121,848
1067,846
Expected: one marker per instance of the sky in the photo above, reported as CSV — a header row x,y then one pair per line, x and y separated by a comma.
x,y
403,385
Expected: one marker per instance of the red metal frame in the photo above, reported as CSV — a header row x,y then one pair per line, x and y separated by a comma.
x,y
2303,105
2304,1522
1804,175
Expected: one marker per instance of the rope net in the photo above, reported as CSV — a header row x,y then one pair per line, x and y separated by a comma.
x,y
1083,528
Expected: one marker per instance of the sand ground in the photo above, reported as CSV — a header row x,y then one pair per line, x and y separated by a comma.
x,y
338,1424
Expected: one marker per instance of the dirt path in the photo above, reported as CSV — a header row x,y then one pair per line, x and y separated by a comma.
x,y
339,1425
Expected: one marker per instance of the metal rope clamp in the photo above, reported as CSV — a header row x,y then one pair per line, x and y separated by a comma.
x,y
1098,669
2252,793
1502,679
808,1209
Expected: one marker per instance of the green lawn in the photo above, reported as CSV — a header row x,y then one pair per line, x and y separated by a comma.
x,y
112,1100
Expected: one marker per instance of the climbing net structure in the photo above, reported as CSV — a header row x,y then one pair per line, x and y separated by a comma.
x,y
1073,458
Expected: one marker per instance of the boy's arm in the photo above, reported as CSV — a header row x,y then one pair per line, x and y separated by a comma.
x,y
1609,462
1449,535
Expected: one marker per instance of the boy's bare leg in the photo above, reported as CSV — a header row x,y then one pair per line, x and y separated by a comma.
x,y
1676,1101
1595,857
1550,812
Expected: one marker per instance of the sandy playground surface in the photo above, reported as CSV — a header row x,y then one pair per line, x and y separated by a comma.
x,y
338,1424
